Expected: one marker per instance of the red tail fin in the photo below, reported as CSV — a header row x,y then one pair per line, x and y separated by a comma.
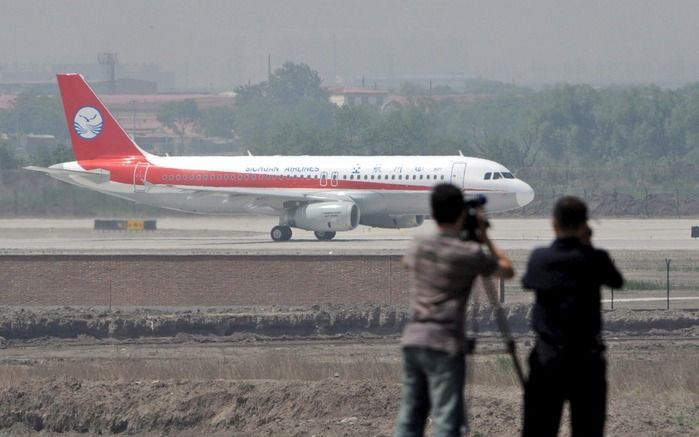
x,y
95,134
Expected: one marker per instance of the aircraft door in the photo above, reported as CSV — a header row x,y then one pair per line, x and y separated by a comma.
x,y
140,173
458,171
333,179
323,179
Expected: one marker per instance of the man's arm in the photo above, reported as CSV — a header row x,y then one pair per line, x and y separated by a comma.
x,y
504,269
408,259
610,274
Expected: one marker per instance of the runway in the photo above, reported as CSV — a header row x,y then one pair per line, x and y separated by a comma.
x,y
246,235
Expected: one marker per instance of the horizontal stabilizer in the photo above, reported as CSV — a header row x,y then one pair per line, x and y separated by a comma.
x,y
97,176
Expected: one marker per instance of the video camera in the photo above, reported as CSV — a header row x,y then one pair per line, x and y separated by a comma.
x,y
474,222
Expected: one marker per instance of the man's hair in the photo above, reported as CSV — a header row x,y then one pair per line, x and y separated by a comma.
x,y
570,212
447,203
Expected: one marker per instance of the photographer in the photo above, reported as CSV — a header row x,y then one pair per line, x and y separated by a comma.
x,y
568,362
442,268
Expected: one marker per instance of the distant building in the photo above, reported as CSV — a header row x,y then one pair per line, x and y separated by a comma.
x,y
125,86
357,96
138,115
135,78
387,101
395,101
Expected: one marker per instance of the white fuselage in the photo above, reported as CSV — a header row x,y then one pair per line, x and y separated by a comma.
x,y
386,185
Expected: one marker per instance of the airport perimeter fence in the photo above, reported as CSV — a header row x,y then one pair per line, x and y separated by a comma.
x,y
652,280
113,281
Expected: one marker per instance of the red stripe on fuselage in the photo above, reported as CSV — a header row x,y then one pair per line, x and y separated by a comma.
x,y
122,171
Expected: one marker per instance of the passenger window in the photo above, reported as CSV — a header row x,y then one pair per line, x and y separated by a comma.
x,y
400,177
393,176
246,177
420,177
191,177
427,177
198,177
164,177
206,177
219,177
172,178
487,176
372,176
497,175
507,175
178,177
442,178
414,177
385,177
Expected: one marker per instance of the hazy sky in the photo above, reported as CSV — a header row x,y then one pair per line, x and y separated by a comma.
x,y
223,43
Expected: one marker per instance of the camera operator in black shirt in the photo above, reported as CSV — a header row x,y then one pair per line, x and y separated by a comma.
x,y
568,360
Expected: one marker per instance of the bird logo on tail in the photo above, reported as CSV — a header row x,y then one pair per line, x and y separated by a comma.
x,y
87,122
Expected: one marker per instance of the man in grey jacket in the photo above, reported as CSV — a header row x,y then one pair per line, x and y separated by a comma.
x,y
442,269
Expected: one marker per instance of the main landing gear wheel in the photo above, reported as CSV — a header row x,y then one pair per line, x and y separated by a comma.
x,y
281,233
325,236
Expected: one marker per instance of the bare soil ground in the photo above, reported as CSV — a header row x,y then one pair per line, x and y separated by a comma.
x,y
323,371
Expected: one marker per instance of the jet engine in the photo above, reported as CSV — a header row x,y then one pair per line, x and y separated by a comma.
x,y
323,216
393,222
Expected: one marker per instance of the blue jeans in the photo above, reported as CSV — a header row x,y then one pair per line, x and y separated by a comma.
x,y
431,380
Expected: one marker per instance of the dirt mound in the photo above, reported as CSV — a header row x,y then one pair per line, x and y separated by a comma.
x,y
273,408
274,322
328,407
21,324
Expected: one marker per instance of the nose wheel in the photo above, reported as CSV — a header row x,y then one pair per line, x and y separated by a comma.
x,y
324,236
281,233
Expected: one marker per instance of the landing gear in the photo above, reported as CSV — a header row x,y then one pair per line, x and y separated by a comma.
x,y
281,233
325,236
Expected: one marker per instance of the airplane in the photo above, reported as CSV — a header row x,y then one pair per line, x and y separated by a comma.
x,y
323,194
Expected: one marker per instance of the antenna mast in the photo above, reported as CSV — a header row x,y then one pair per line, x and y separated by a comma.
x,y
109,61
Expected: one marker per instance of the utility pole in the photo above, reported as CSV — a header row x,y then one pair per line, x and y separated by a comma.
x,y
667,265
109,61
334,58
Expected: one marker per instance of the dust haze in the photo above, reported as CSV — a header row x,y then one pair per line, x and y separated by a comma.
x,y
221,44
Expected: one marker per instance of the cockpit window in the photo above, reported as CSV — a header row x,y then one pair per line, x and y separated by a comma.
x,y
487,176
497,175
507,175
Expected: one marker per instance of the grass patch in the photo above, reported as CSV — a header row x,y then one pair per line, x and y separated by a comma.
x,y
639,284
671,374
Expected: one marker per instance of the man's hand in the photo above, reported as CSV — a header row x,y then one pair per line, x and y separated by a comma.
x,y
505,269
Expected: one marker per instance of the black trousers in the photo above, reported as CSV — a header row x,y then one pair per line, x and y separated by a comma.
x,y
578,377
